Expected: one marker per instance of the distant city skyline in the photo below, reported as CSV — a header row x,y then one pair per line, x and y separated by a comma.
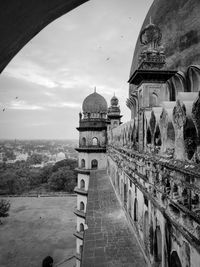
x,y
43,87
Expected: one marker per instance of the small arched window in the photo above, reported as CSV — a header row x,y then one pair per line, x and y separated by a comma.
x,y
82,206
95,141
94,164
135,210
83,143
153,100
82,163
82,184
81,227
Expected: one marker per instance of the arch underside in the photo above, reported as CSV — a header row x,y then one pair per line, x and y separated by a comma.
x,y
21,20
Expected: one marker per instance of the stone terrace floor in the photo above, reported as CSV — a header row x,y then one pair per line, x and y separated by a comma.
x,y
109,241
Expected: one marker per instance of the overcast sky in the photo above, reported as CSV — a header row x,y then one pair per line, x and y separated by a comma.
x,y
43,87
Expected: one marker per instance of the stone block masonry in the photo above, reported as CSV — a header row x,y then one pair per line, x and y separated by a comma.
x,y
108,241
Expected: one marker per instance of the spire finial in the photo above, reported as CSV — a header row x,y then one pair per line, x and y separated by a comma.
x,y
150,20
114,93
95,89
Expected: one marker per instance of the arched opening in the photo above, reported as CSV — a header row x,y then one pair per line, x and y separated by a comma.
x,y
94,164
81,249
175,260
190,138
151,237
153,102
146,230
82,163
82,184
82,206
157,137
130,203
136,210
117,181
194,78
81,227
95,141
83,142
148,136
158,245
125,195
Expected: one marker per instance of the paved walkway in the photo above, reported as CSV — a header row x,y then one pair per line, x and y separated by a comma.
x,y
108,242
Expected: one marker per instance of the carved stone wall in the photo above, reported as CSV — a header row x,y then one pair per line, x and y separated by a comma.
x,y
161,197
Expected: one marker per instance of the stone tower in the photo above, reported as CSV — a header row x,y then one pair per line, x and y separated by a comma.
x,y
114,116
92,156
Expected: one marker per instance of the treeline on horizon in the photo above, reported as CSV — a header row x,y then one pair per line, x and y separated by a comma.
x,y
20,177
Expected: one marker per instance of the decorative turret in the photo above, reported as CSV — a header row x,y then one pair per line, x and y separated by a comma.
x,y
152,57
114,117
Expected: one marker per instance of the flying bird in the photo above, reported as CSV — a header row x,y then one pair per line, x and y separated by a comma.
x,y
107,58
3,109
16,97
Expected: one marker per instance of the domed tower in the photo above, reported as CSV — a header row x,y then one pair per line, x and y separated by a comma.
x,y
92,156
114,117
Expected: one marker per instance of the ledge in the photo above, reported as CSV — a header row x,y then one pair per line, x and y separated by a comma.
x,y
82,171
78,256
80,191
150,76
79,235
91,149
79,213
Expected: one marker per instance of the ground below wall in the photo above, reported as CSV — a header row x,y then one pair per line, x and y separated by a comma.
x,y
108,241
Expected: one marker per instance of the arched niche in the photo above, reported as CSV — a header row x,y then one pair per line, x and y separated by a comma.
x,y
175,260
82,206
148,136
172,90
82,184
152,123
81,227
176,84
146,230
158,245
95,141
82,163
130,203
135,210
193,74
94,164
125,195
190,138
157,137
153,101
83,141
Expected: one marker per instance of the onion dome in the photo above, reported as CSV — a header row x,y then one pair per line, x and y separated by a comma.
x,y
114,101
95,103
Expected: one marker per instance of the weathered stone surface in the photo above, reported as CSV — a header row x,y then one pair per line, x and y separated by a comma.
x,y
179,22
108,240
21,20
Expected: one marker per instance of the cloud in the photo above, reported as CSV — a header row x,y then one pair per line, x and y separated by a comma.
x,y
23,105
29,71
64,105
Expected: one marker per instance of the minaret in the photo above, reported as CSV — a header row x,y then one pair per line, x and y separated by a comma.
x,y
114,117
92,156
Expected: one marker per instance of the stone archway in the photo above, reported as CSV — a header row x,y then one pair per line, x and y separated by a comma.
x,y
21,20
